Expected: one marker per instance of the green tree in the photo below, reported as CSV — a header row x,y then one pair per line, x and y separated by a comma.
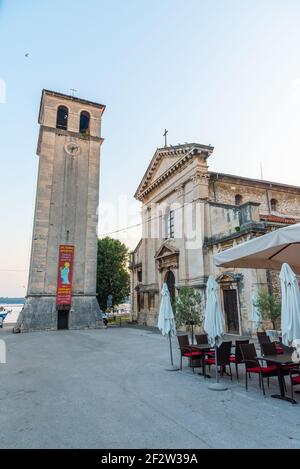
x,y
268,306
187,307
112,274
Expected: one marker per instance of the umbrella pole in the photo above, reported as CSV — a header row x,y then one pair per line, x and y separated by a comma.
x,y
217,386
216,363
171,354
172,367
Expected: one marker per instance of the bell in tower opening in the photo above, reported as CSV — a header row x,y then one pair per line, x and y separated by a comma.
x,y
62,277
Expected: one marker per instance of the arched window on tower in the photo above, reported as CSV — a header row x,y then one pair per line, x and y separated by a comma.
x,y
238,199
84,126
62,118
274,205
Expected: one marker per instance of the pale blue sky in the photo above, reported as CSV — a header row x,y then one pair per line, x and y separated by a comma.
x,y
224,72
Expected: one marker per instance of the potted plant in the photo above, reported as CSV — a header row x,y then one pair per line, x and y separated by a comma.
x,y
269,306
187,308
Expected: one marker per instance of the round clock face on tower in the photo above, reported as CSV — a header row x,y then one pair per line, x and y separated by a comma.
x,y
72,149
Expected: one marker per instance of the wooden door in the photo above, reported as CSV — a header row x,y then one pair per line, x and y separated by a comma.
x,y
231,311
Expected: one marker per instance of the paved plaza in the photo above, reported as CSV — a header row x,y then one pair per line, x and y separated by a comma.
x,y
109,389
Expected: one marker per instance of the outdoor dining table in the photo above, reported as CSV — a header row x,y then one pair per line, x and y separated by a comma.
x,y
280,360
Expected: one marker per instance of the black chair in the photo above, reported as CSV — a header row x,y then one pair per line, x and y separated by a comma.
x,y
187,350
268,348
223,357
201,339
252,365
265,339
285,348
294,378
237,358
261,334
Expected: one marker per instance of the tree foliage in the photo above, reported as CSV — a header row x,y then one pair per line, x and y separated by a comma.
x,y
187,307
112,274
268,306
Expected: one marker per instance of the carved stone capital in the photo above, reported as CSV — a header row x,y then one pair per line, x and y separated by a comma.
x,y
179,190
200,178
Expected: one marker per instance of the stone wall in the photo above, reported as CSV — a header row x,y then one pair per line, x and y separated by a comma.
x,y
225,189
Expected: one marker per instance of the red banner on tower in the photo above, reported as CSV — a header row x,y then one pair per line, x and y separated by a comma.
x,y
64,277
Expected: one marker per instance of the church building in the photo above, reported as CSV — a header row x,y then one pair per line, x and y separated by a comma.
x,y
189,214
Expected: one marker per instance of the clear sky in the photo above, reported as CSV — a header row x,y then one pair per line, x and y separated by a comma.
x,y
220,72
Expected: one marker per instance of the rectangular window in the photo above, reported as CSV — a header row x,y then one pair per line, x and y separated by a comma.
x,y
170,225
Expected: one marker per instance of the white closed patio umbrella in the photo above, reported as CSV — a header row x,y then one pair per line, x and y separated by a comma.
x,y
166,321
255,314
214,324
290,305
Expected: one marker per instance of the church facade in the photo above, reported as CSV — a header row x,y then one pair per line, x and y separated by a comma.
x,y
189,214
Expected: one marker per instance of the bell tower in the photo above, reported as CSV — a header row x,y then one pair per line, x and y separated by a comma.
x,y
62,278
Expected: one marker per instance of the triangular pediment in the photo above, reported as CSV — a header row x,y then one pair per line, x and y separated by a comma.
x,y
165,250
166,161
227,277
163,165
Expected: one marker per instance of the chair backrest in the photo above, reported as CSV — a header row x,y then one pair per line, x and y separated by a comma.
x,y
201,339
268,348
183,340
223,353
264,339
261,333
238,353
286,348
249,354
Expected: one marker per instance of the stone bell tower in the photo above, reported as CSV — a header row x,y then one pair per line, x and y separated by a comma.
x,y
62,278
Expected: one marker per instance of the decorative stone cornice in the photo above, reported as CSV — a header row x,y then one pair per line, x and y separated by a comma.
x,y
67,133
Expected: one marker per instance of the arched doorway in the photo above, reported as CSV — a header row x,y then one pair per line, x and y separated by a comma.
x,y
170,281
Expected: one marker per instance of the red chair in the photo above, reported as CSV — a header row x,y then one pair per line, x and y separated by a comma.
x,y
271,349
265,339
237,357
223,357
295,380
202,339
252,365
187,351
